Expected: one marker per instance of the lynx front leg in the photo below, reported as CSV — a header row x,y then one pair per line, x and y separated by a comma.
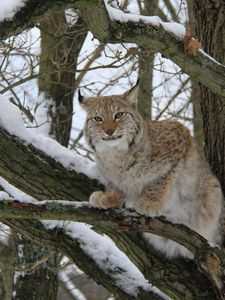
x,y
111,198
153,198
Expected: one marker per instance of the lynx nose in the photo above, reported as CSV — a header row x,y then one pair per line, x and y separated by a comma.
x,y
109,131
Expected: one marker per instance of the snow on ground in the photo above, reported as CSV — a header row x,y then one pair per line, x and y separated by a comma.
x,y
9,8
117,15
10,119
106,254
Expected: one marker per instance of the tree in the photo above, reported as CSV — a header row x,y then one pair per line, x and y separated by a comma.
x,y
24,157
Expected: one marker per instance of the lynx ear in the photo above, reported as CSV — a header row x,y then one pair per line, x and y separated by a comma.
x,y
132,94
82,100
80,97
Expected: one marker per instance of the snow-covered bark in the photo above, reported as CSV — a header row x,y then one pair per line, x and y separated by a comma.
x,y
114,26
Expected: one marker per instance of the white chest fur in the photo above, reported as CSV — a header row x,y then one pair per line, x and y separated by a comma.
x,y
127,170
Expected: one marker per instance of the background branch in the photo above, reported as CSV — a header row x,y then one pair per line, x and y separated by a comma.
x,y
200,67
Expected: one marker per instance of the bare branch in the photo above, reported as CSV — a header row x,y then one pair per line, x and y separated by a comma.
x,y
201,67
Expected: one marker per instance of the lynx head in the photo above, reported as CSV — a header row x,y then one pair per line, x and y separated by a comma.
x,y
112,121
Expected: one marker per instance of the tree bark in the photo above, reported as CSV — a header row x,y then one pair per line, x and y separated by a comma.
x,y
60,46
195,93
146,62
201,67
7,254
209,27
20,163
36,276
147,260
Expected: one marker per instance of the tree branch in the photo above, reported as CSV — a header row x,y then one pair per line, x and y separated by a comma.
x,y
117,219
57,239
114,223
20,163
201,67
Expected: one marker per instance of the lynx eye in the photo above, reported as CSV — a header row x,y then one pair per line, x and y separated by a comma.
x,y
118,115
98,119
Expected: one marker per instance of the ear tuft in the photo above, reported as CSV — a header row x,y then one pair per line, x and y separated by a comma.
x,y
132,94
80,97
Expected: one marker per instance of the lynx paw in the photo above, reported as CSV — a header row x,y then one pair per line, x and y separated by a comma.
x,y
102,200
147,207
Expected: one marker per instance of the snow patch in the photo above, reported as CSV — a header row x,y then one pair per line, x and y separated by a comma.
x,y
106,254
9,8
10,120
16,193
118,15
4,196
66,202
209,57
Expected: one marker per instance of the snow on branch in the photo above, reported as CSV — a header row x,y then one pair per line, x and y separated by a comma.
x,y
153,33
148,263
116,220
62,240
118,15
9,8
58,172
114,26
108,257
10,120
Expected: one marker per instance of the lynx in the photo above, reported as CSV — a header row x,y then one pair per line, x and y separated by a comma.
x,y
154,167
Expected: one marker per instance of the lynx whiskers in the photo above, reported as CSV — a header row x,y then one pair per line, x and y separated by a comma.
x,y
154,167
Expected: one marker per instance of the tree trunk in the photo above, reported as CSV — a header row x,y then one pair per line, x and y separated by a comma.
x,y
195,92
59,55
60,47
7,254
209,27
146,63
36,276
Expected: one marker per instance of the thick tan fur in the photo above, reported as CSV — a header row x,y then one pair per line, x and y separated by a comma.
x,y
154,167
